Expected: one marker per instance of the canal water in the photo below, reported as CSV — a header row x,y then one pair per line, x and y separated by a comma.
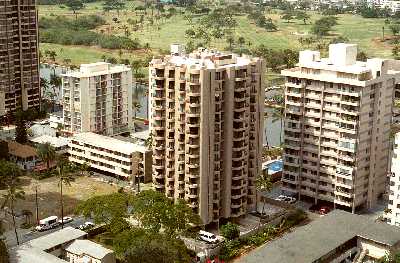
x,y
272,130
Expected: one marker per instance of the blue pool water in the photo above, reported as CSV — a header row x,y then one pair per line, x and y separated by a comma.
x,y
275,166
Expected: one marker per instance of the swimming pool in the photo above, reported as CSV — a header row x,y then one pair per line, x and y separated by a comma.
x,y
273,166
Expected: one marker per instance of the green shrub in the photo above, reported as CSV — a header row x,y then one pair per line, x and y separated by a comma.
x,y
230,249
230,231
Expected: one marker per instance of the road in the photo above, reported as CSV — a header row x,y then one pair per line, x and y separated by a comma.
x,y
25,235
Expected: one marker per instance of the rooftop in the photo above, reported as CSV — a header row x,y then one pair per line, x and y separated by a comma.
x,y
309,243
59,237
204,58
54,141
96,69
34,251
109,143
343,58
87,247
21,150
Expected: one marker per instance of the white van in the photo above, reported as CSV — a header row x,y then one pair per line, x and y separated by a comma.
x,y
47,223
208,237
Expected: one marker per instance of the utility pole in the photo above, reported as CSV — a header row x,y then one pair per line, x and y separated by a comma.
x,y
383,33
37,205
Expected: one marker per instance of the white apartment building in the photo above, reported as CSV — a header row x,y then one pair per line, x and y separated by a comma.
x,y
206,121
97,98
111,156
337,125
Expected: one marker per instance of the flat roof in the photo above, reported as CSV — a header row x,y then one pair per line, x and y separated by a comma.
x,y
59,237
309,243
142,135
324,64
109,143
28,254
54,141
87,247
96,69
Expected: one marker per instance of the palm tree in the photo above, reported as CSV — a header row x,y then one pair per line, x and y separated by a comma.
x,y
55,82
277,115
64,177
46,152
136,107
263,184
12,195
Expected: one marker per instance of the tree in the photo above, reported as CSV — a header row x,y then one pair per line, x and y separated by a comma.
x,y
74,5
362,56
231,41
21,134
263,184
396,51
110,209
395,28
46,153
155,211
110,5
136,107
301,15
230,231
161,247
3,151
3,249
9,172
64,170
13,194
323,25
287,15
241,41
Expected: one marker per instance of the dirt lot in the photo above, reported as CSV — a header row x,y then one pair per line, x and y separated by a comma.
x,y
49,194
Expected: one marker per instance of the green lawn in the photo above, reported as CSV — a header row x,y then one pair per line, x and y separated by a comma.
x,y
365,32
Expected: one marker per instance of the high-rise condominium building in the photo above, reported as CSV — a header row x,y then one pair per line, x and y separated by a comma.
x,y
206,123
98,98
393,215
19,64
337,125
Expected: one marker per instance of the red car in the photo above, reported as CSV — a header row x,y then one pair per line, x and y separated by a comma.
x,y
324,210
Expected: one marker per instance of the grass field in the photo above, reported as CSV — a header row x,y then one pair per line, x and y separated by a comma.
x,y
49,198
365,32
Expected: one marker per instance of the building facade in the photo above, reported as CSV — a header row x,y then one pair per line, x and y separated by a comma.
x,y
337,126
19,63
393,215
97,98
121,159
206,112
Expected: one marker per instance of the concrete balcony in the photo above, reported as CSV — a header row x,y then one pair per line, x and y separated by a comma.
x,y
342,202
312,114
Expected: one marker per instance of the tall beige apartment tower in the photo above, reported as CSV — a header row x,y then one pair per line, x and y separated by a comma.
x,y
19,63
337,127
206,123
97,98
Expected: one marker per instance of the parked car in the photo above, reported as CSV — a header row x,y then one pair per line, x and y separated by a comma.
x,y
86,225
208,237
286,199
324,210
66,219
47,223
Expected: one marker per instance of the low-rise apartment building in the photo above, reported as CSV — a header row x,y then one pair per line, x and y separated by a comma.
x,y
23,155
63,246
337,125
97,98
335,238
112,156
